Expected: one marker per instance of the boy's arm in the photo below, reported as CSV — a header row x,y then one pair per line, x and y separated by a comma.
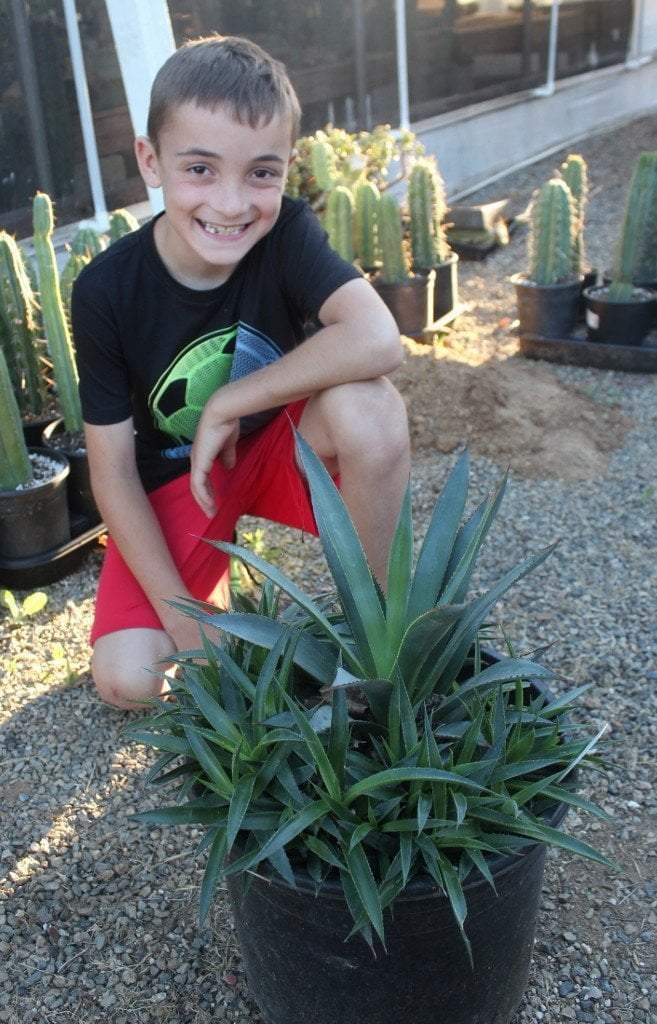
x,y
133,525
360,341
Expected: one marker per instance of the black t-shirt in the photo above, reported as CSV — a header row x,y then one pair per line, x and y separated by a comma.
x,y
150,347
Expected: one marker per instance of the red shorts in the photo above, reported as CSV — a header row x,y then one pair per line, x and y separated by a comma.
x,y
264,482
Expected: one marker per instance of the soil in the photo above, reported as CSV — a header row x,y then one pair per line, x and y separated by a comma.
x,y
71,443
514,412
43,470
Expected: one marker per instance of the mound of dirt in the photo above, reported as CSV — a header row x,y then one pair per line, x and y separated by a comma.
x,y
513,412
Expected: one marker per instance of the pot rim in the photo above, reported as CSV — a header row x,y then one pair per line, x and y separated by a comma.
x,y
50,453
521,280
641,295
415,280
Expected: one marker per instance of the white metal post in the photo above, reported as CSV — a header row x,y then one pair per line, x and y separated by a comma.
x,y
100,221
402,63
548,88
636,57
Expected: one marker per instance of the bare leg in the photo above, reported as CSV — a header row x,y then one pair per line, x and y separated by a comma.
x,y
125,666
360,430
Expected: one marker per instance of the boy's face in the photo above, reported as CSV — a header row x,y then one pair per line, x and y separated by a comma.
x,y
223,185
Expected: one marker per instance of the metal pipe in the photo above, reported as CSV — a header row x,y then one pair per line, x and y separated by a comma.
x,y
360,63
402,64
30,84
636,58
548,88
101,220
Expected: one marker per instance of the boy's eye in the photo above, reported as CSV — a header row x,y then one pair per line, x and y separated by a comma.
x,y
198,169
264,173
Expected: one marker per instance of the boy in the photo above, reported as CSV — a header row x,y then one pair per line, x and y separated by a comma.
x,y
191,329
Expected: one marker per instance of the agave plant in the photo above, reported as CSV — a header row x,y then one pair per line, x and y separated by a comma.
x,y
367,737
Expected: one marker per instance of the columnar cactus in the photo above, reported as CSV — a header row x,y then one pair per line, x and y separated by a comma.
x,y
550,235
427,207
19,304
322,163
58,336
636,255
86,241
15,466
574,172
395,264
366,212
339,222
121,223
74,264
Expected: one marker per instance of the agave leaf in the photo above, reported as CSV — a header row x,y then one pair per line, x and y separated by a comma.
x,y
323,851
207,759
187,814
174,744
423,641
266,678
503,671
478,859
541,833
339,736
366,887
239,805
283,835
214,714
394,776
453,657
400,567
317,751
456,898
438,541
216,858
460,574
348,565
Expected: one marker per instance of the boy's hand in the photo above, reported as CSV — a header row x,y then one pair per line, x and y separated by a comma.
x,y
213,440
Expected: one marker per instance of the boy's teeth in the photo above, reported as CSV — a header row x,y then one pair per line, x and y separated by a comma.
x,y
216,229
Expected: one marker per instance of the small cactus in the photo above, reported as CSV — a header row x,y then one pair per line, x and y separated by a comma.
x,y
427,207
19,318
58,336
15,466
636,254
121,223
395,264
366,229
87,242
550,235
322,163
339,222
574,172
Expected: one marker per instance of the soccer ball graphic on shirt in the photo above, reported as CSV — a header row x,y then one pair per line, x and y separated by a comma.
x,y
206,364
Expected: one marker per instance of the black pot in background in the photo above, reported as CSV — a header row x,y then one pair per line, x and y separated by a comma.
x,y
589,280
33,429
549,311
408,303
80,496
446,294
619,323
36,519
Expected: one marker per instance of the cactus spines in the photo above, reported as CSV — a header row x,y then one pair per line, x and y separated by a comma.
x,y
19,320
322,163
636,255
339,222
550,236
366,229
15,466
395,266
58,336
426,203
87,242
121,223
574,172
74,264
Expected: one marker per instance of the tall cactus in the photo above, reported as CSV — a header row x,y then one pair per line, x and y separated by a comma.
x,y
58,336
88,242
339,222
575,173
121,223
395,264
15,466
427,207
366,213
20,306
550,235
74,264
636,254
323,164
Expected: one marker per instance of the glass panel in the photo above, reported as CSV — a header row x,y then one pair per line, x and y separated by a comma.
x,y
465,51
39,122
592,34
319,42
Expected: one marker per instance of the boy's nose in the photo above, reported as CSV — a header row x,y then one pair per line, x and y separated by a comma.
x,y
229,203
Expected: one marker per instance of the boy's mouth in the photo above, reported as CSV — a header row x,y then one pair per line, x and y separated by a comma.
x,y
223,230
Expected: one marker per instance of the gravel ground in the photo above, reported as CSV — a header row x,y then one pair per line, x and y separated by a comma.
x,y
98,918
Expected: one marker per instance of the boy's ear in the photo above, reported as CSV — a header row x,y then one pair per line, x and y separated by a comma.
x,y
147,160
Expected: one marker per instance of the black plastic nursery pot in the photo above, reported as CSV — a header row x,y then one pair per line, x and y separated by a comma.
x,y
446,291
547,310
409,303
33,429
35,519
80,496
619,323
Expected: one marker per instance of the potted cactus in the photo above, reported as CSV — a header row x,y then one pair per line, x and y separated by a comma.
x,y
548,295
339,222
575,173
383,783
430,249
33,508
366,227
67,433
622,310
409,297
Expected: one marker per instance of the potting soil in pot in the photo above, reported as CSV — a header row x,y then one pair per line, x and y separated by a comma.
x,y
43,469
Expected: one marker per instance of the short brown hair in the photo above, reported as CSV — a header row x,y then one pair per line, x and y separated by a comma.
x,y
223,69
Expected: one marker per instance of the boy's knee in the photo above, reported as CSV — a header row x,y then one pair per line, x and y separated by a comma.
x,y
123,679
370,417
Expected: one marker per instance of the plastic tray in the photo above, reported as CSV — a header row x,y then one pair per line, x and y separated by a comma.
x,y
577,351
53,565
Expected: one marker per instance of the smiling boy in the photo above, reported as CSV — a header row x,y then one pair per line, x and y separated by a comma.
x,y
191,329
